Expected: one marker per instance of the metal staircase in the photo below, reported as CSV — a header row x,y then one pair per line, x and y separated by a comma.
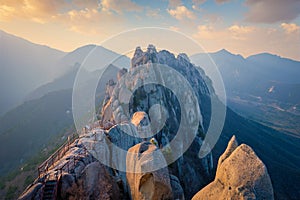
x,y
50,190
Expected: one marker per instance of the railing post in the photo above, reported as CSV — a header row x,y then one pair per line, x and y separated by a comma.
x,y
44,167
68,142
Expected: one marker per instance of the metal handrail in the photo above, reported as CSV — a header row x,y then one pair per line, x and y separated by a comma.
x,y
59,153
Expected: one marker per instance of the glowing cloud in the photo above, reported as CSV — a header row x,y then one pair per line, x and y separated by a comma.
x,y
290,28
181,12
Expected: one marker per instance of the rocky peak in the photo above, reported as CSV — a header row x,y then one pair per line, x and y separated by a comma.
x,y
183,57
162,57
141,121
138,52
111,82
240,175
151,49
121,72
140,57
131,101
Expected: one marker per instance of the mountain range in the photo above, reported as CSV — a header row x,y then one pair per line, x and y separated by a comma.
x,y
42,108
37,112
26,66
263,87
277,150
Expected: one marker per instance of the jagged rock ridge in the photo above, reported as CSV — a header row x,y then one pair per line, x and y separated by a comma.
x,y
143,97
124,119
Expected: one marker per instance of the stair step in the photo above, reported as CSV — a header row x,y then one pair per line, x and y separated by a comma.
x,y
51,183
50,186
49,190
48,193
48,197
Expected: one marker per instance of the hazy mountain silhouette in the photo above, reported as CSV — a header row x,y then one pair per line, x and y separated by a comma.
x,y
24,66
264,87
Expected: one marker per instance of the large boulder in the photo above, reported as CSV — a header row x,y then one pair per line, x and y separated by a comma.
x,y
122,137
144,183
240,175
95,183
67,181
32,192
141,121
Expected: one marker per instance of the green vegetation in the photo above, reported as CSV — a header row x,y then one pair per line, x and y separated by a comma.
x,y
2,184
269,115
10,194
34,122
18,179
29,179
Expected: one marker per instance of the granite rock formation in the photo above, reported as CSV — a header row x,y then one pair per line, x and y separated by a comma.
x,y
113,160
240,175
143,183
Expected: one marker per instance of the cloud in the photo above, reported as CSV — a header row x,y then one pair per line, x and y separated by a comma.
x,y
90,21
174,3
240,32
119,6
271,11
181,12
154,13
240,29
84,17
207,32
29,9
290,28
198,2
43,11
222,1
174,28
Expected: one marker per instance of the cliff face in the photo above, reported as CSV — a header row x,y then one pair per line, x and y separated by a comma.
x,y
136,90
128,154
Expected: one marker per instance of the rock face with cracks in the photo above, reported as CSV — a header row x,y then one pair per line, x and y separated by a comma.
x,y
240,175
132,96
144,183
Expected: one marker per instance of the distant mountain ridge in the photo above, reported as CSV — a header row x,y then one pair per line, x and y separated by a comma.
x,y
26,66
23,66
264,87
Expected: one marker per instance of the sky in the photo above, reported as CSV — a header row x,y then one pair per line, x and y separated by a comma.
x,y
243,27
